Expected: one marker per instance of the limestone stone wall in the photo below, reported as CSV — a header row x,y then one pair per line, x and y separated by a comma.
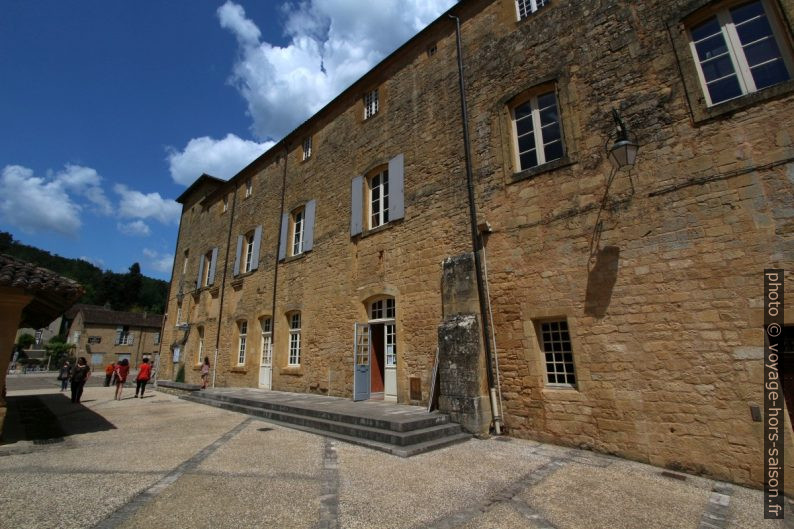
x,y
657,270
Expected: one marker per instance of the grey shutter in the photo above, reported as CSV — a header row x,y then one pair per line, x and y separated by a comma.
x,y
119,330
282,244
213,262
200,272
396,185
356,205
308,230
237,255
255,249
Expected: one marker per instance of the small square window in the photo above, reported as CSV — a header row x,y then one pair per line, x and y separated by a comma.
x,y
225,204
432,49
524,8
249,188
307,148
370,104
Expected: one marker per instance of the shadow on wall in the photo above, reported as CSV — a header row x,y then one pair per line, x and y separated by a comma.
x,y
601,280
46,419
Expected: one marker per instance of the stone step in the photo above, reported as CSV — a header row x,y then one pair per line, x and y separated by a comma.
x,y
415,440
426,421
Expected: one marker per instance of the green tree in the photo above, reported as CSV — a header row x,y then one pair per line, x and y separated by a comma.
x,y
24,341
58,350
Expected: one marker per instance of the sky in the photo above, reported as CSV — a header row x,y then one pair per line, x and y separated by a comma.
x,y
109,110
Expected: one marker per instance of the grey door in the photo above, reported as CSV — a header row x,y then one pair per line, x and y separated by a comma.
x,y
361,381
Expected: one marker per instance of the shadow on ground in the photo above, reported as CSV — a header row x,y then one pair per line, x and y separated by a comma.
x,y
46,419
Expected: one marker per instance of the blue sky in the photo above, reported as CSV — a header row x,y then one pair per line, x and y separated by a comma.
x,y
110,109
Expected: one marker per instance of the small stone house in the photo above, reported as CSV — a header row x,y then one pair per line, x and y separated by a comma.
x,y
616,303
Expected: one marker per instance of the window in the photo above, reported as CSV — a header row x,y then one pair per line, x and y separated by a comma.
x,y
94,339
200,348
295,339
123,335
370,104
307,148
249,188
184,264
537,129
157,338
225,204
297,231
243,332
206,268
737,51
524,8
383,309
178,315
267,340
249,251
555,342
206,275
379,199
432,49
382,312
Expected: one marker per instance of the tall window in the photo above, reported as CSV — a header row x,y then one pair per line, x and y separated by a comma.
x,y
200,348
556,344
370,104
379,199
225,204
157,338
738,51
205,273
243,332
178,315
267,340
295,338
184,265
527,7
123,335
297,231
537,130
249,251
249,188
307,148
383,310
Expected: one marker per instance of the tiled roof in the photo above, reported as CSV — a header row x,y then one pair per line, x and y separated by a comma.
x,y
103,316
27,276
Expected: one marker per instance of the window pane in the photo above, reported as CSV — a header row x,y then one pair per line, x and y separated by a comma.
x,y
770,73
523,111
553,151
724,89
717,68
548,114
711,47
551,133
753,30
747,11
761,51
529,159
547,100
526,142
524,126
706,29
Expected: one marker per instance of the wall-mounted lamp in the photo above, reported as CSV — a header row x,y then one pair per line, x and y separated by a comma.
x,y
624,151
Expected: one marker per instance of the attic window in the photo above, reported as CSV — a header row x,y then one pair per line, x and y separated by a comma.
x,y
524,8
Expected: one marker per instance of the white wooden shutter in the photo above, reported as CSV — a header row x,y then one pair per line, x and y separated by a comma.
x,y
213,262
282,244
308,230
240,240
255,250
200,272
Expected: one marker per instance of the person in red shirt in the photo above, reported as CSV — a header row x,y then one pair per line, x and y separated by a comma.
x,y
122,370
144,373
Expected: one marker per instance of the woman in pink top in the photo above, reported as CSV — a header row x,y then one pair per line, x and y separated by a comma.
x,y
205,372
122,369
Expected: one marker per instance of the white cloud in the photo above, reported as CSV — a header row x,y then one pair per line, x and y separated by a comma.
x,y
99,263
223,158
135,228
86,182
36,204
283,86
162,263
136,205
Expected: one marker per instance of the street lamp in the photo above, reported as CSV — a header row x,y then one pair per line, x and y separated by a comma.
x,y
624,151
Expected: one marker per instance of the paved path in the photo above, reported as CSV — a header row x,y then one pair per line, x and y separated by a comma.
x,y
163,462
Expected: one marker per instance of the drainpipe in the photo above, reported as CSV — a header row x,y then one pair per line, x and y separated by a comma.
x,y
167,303
223,286
275,266
476,240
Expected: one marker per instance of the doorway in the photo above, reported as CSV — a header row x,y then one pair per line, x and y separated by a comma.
x,y
266,360
375,353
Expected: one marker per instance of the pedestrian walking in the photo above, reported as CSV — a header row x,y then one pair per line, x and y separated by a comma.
x,y
80,375
63,375
144,373
121,372
205,372
109,373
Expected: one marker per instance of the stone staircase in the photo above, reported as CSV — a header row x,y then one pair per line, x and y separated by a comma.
x,y
394,428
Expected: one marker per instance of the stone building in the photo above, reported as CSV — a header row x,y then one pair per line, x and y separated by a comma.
x,y
104,336
625,304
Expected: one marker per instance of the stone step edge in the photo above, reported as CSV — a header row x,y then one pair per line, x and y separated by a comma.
x,y
384,424
409,451
401,439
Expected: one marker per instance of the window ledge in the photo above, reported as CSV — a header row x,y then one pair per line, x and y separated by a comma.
x,y
292,371
532,172
383,227
703,114
567,393
238,369
295,257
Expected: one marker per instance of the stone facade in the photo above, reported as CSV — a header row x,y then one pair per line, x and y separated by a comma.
x,y
656,271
